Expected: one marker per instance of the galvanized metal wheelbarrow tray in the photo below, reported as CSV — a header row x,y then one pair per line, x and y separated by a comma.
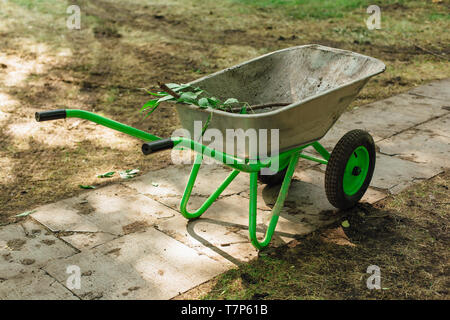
x,y
319,83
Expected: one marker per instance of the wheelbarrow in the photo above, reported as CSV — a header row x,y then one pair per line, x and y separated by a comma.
x,y
318,84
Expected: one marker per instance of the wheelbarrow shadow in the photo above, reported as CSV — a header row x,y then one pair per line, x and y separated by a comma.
x,y
306,209
190,228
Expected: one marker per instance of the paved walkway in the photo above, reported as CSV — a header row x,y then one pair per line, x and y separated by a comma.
x,y
130,242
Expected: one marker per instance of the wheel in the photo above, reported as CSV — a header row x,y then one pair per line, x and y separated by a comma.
x,y
273,179
350,169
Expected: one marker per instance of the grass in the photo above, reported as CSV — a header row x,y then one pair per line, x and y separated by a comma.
x,y
319,9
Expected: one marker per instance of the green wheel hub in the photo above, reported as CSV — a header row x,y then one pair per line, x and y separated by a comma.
x,y
356,170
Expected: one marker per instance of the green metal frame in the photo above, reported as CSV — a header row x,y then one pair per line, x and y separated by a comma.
x,y
288,158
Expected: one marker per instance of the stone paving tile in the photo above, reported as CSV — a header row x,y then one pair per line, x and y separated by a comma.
x,y
118,210
217,239
440,126
306,206
436,89
34,285
144,265
317,178
420,146
99,216
63,216
384,118
28,244
395,174
83,241
171,181
232,209
221,232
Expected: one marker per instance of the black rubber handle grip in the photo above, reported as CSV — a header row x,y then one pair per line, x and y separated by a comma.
x,y
50,115
158,145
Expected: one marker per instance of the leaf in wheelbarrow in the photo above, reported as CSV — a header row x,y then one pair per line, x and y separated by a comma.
x,y
158,94
82,186
189,97
128,174
177,87
106,175
214,101
231,101
26,213
204,103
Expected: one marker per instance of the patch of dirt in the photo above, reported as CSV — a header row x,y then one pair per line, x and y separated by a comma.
x,y
137,226
16,244
27,262
84,207
48,242
106,32
337,236
115,251
393,6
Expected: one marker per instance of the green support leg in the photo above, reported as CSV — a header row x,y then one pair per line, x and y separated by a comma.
x,y
321,150
277,207
190,186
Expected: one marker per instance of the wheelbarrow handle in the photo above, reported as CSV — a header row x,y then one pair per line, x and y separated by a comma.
x,y
158,145
50,115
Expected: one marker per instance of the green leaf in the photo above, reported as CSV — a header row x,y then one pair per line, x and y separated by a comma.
x,y
26,213
231,101
106,175
158,94
188,97
213,101
150,112
243,110
345,224
166,98
155,184
86,186
177,87
150,104
173,86
203,103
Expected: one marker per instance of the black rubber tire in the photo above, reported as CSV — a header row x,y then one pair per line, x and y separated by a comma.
x,y
273,179
334,173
